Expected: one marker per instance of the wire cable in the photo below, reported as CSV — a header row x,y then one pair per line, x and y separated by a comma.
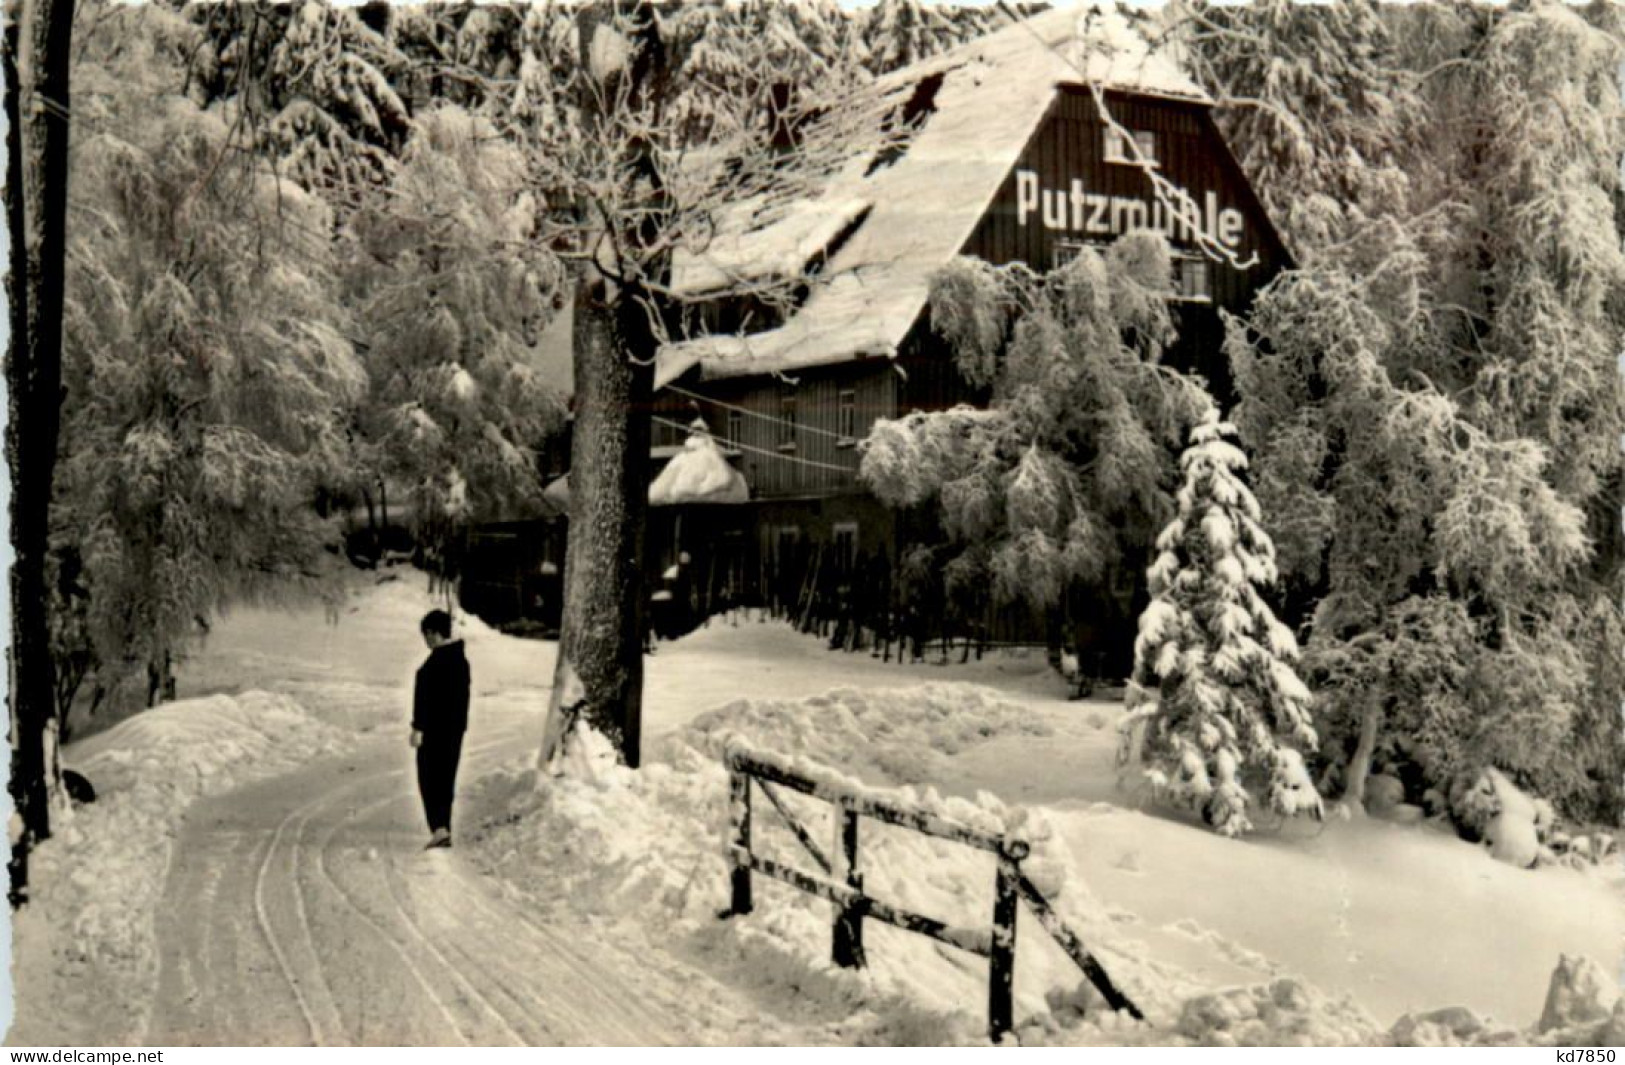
x,y
752,413
763,451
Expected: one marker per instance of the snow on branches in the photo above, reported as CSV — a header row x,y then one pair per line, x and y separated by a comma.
x,y
1214,692
1433,400
206,364
452,290
1064,473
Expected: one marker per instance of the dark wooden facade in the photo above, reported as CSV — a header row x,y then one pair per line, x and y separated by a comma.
x,y
795,436
1068,148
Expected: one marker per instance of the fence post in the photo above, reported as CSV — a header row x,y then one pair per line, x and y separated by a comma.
x,y
848,948
1002,961
739,813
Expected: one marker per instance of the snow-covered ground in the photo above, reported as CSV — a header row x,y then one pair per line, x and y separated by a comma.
x,y
1333,935
1397,918
85,955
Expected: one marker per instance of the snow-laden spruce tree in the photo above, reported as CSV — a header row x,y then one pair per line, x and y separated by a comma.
x,y
316,87
1214,691
451,290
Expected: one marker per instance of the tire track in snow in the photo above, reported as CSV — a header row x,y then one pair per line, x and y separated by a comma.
x,y
366,919
397,944
576,981
411,925
263,918
279,929
482,945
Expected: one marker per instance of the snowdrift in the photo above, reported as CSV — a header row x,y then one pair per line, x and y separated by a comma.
x,y
97,882
646,850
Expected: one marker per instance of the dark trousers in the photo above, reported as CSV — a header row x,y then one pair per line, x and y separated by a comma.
x,y
437,776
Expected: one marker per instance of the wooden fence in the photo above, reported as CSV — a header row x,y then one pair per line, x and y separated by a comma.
x,y
841,881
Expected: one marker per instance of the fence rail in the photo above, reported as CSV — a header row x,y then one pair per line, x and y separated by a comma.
x,y
841,882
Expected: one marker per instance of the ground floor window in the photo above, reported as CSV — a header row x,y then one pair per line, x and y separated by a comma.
x,y
844,541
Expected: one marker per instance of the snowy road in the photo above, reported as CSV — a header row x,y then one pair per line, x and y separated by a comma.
x,y
303,911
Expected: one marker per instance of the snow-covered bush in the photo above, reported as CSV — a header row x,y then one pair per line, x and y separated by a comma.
x,y
1214,691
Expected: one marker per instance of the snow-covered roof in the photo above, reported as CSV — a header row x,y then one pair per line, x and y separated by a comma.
x,y
922,208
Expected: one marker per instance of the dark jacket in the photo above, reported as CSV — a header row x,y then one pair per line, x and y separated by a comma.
x,y
440,694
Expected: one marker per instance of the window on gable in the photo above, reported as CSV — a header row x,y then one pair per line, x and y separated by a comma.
x,y
1193,279
1117,149
736,428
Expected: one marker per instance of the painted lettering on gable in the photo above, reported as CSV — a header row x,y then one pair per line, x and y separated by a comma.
x,y
1076,210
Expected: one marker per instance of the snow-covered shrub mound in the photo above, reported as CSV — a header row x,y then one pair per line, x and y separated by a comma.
x,y
1285,1012
97,882
1584,1007
1513,824
897,736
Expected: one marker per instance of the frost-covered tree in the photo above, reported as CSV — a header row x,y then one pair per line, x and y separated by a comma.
x,y
1434,405
207,362
754,49
1215,693
896,33
1311,99
636,160
451,289
1068,470
312,84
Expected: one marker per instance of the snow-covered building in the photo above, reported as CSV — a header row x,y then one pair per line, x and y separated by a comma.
x,y
1064,130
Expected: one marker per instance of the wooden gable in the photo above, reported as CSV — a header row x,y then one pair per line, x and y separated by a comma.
x,y
1064,190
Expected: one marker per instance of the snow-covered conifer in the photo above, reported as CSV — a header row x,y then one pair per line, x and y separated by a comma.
x,y
207,364
316,85
1215,693
899,32
452,291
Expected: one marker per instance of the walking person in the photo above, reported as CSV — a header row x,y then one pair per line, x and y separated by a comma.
x,y
439,719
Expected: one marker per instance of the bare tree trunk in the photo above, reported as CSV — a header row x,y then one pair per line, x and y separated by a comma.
x,y
37,46
1359,770
599,673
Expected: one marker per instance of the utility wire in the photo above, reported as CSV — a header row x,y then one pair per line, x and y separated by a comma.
x,y
754,414
763,451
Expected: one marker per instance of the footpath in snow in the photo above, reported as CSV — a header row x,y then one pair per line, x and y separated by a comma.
x,y
1287,936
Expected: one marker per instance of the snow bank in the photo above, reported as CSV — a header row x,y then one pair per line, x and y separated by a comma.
x,y
97,883
646,850
886,737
